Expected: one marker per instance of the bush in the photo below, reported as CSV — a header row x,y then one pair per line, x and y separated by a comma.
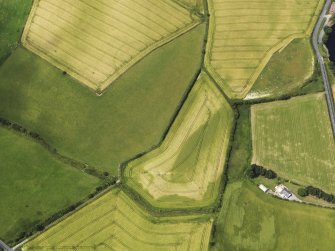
x,y
302,192
39,227
250,173
269,174
317,192
255,171
328,30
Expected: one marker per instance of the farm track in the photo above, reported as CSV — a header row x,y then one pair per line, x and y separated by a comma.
x,y
243,36
97,43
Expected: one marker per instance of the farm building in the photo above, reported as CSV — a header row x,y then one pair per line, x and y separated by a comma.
x,y
283,191
263,188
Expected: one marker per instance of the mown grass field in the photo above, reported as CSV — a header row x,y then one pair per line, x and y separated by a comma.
x,y
294,138
253,221
34,185
286,71
244,35
97,42
115,222
102,131
185,170
13,15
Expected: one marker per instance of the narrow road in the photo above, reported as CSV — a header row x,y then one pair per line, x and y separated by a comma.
x,y
328,89
4,246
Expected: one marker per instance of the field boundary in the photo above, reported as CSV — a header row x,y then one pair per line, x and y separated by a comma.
x,y
222,180
197,217
282,104
266,58
101,87
223,177
90,170
81,204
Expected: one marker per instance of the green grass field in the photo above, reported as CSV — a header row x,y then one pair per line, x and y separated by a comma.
x,y
34,185
115,222
185,170
102,131
13,15
253,221
286,71
244,35
294,138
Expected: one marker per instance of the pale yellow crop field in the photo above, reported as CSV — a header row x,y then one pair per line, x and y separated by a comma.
x,y
243,36
185,170
115,222
295,139
96,41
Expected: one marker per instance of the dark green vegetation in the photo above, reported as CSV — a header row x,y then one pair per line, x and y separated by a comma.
x,y
13,14
74,163
240,154
34,185
251,220
316,192
255,171
288,71
103,131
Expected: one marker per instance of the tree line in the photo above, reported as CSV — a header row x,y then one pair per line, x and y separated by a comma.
x,y
255,171
316,192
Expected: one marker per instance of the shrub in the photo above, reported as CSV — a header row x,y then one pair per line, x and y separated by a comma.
x,y
269,174
255,171
302,192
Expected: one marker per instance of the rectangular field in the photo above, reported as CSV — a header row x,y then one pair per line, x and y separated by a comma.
x,y
185,170
97,41
294,138
115,222
34,185
244,35
253,221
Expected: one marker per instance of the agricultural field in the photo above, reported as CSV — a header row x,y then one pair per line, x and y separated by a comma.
x,y
115,222
97,42
167,103
294,138
253,221
34,185
244,35
185,170
13,15
101,131
194,5
287,70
